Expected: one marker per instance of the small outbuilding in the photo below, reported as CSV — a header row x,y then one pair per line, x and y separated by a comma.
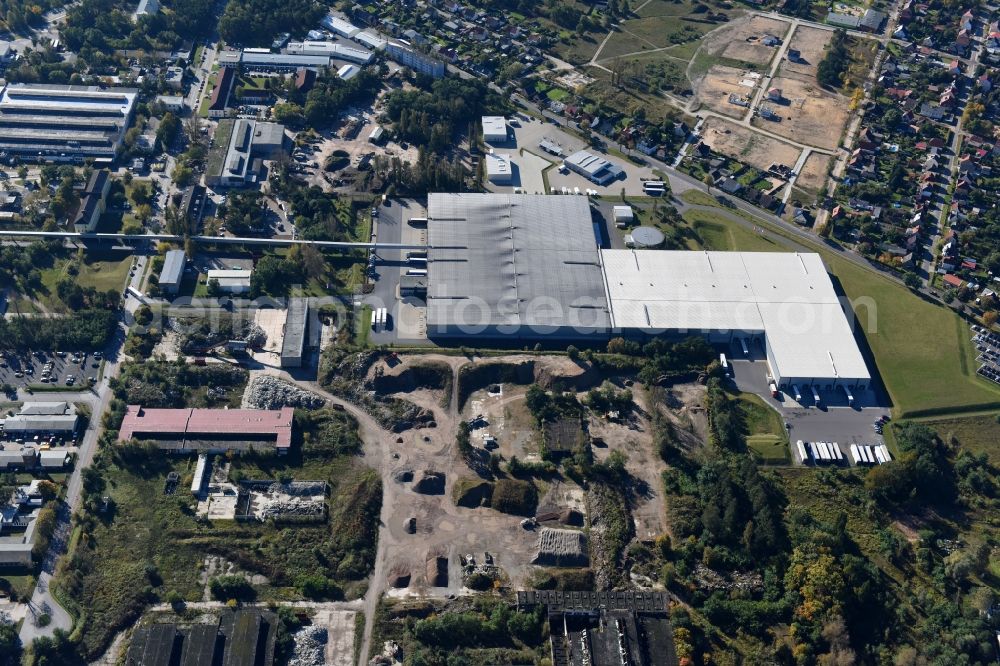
x,y
623,216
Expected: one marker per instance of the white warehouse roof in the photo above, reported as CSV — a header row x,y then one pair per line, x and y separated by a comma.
x,y
340,25
494,126
787,296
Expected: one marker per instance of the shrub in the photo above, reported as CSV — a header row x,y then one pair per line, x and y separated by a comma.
x,y
232,587
515,497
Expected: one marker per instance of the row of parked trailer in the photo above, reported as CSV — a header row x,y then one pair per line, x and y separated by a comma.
x,y
830,452
379,317
865,454
820,452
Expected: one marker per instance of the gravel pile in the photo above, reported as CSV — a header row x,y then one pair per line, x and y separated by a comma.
x,y
310,646
267,392
561,548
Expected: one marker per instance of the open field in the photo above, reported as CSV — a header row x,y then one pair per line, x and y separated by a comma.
x,y
922,349
100,274
810,43
766,434
717,233
719,83
659,25
813,173
747,146
641,91
810,115
976,434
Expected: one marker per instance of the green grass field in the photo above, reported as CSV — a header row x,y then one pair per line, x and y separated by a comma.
x,y
102,275
718,233
977,434
922,350
767,437
659,25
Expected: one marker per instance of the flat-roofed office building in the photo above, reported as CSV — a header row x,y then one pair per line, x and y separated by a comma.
x,y
173,272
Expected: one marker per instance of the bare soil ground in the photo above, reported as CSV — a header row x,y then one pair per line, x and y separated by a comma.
x,y
810,115
634,438
746,145
443,529
339,625
810,43
813,173
718,84
742,38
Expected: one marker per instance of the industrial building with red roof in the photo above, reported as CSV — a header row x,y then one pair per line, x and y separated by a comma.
x,y
211,430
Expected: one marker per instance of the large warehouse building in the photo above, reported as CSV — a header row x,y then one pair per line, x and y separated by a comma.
x,y
526,267
210,430
61,123
513,266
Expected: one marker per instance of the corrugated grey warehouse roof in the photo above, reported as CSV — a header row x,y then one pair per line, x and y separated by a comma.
x,y
513,260
173,268
294,340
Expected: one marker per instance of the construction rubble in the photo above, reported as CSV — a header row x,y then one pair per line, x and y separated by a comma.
x,y
310,647
267,392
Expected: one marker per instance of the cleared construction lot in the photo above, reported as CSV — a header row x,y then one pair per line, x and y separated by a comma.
x,y
746,145
810,115
810,43
813,173
721,81
743,39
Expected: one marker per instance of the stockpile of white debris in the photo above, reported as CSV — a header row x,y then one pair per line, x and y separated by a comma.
x,y
267,392
310,647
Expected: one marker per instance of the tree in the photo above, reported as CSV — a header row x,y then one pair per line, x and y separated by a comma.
x,y
228,587
213,289
141,194
463,439
183,175
989,318
10,644
169,126
912,281
832,67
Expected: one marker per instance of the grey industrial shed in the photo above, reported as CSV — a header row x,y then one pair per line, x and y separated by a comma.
x,y
513,267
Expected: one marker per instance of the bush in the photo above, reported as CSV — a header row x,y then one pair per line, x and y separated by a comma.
x,y
515,497
319,587
479,581
232,587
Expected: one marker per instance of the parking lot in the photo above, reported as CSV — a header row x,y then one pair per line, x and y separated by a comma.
x,y
525,133
834,420
49,369
988,356
405,316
